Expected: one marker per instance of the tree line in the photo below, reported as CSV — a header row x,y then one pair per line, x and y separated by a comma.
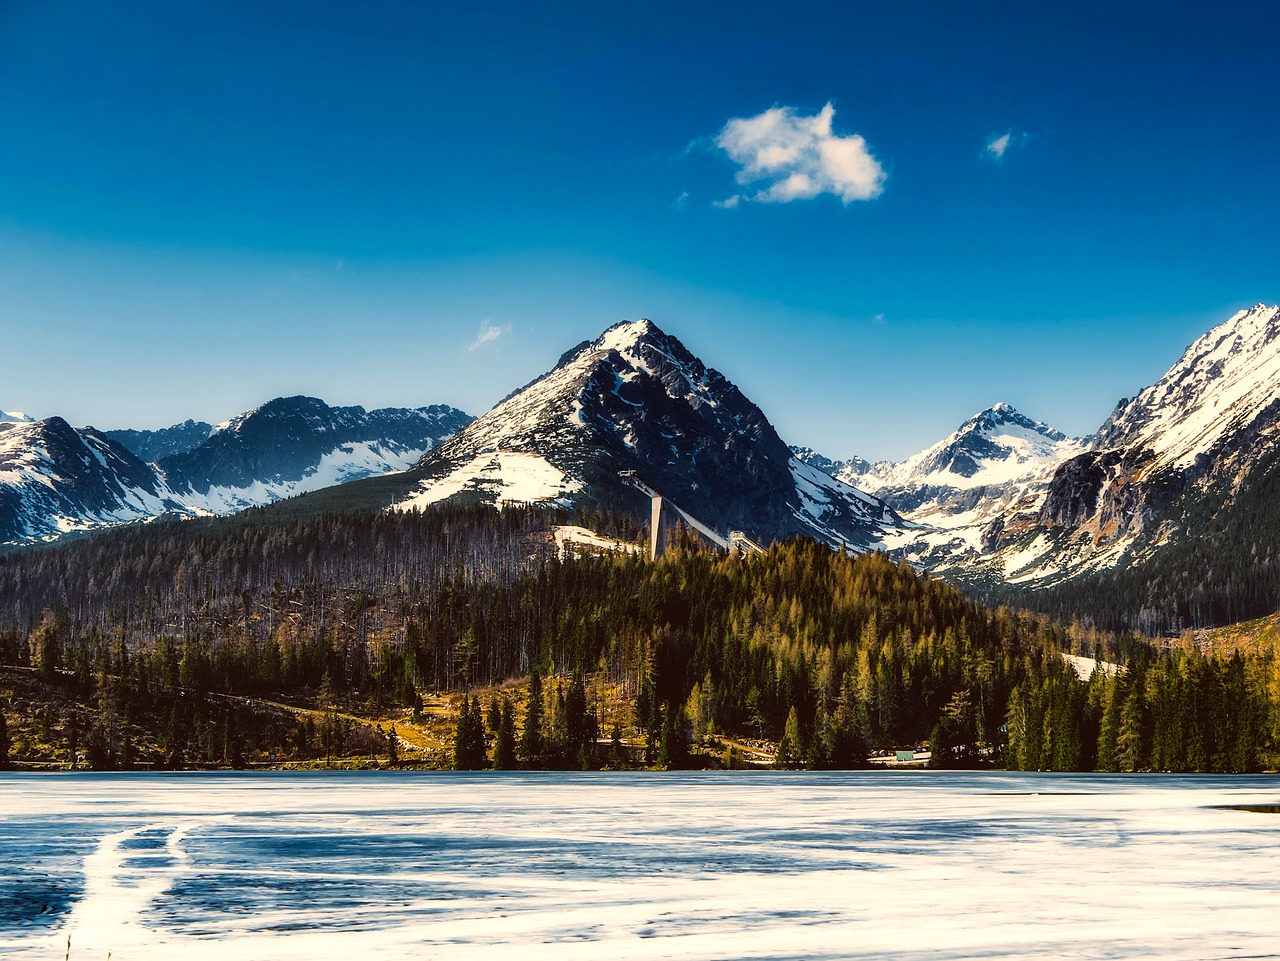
x,y
828,657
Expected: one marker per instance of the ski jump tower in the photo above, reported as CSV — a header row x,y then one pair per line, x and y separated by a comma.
x,y
736,542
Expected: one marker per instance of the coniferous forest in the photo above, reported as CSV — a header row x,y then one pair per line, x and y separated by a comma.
x,y
461,637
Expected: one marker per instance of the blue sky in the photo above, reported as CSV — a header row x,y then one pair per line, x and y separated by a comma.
x,y
205,205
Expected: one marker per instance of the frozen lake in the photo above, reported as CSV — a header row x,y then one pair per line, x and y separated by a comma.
x,y
886,865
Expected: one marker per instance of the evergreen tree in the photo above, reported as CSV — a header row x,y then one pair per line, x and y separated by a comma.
x,y
4,744
531,742
1109,727
469,750
393,747
1131,750
848,744
673,745
790,749
504,741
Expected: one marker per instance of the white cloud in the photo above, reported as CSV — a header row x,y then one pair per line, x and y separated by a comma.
x,y
794,157
682,200
728,203
999,144
488,334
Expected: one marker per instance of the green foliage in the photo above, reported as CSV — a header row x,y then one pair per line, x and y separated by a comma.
x,y
531,742
504,738
835,657
470,753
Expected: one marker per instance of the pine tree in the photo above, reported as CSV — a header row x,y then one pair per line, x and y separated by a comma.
x,y
469,750
531,743
673,745
789,748
1131,752
848,746
1109,727
4,744
504,742
493,717
393,748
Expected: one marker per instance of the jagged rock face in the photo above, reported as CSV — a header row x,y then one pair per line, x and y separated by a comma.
x,y
151,445
637,399
1074,489
1205,423
54,478
1211,415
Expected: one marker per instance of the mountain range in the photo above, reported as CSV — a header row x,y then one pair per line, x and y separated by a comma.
x,y
57,479
1004,500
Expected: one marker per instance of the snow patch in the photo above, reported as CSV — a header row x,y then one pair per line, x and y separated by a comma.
x,y
506,478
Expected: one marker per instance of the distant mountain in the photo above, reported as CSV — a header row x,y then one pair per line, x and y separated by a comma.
x,y
636,399
56,479
296,444
15,417
850,471
995,467
151,445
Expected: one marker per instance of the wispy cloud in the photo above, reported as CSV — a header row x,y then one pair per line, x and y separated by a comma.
x,y
682,200
999,144
784,155
489,332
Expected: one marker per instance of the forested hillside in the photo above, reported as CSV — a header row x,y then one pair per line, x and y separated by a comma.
x,y
271,639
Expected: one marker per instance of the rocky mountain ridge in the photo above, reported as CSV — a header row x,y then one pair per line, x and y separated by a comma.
x,y
57,479
1008,499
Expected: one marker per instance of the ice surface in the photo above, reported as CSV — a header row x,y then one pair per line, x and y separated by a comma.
x,y
884,865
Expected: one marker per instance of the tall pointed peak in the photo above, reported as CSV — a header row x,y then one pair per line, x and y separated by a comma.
x,y
628,333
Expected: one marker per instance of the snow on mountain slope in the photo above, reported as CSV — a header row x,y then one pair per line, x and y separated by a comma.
x,y
994,467
850,471
55,479
346,462
505,477
292,445
1219,386
636,399
1166,460
15,417
996,447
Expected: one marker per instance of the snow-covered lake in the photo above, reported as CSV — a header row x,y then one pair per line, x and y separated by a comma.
x,y
885,865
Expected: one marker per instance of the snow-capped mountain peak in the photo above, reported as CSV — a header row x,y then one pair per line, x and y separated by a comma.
x,y
1221,384
15,417
998,445
636,399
